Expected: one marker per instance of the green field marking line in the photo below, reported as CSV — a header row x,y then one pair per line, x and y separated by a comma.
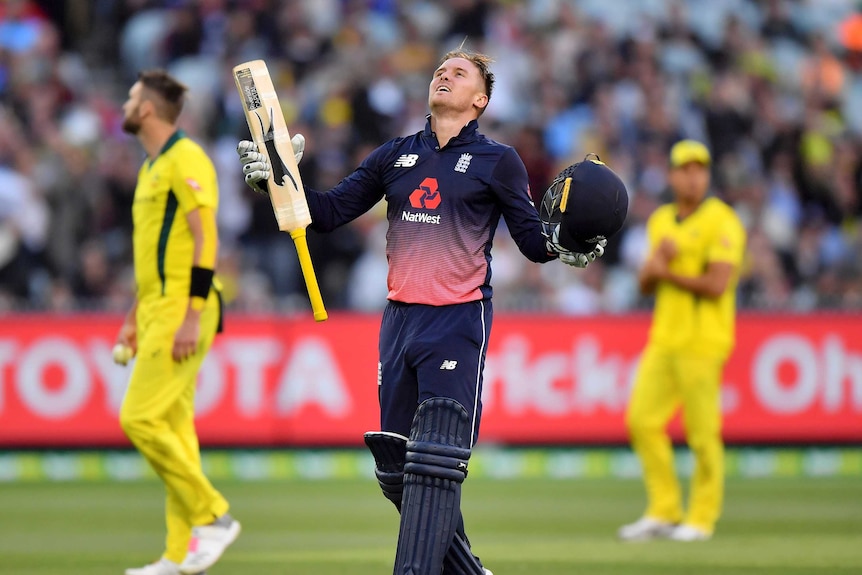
x,y
491,462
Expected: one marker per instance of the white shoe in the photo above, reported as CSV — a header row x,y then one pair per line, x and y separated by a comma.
x,y
161,567
645,529
207,544
488,572
686,532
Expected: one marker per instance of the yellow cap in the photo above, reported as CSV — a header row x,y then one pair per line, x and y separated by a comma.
x,y
687,151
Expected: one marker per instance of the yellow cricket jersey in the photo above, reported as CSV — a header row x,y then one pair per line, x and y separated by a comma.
x,y
683,321
181,179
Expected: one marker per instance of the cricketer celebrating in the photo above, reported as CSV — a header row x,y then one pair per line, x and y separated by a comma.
x,y
446,188
173,322
696,248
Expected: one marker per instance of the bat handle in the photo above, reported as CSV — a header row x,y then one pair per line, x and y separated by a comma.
x,y
317,308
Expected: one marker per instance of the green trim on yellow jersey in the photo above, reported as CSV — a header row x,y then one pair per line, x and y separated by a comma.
x,y
179,180
170,212
175,137
170,209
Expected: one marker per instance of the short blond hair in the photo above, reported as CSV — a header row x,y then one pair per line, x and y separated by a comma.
x,y
481,61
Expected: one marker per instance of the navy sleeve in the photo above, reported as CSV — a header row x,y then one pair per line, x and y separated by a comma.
x,y
510,184
350,198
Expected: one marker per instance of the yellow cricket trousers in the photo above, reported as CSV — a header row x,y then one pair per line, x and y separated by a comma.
x,y
665,382
158,417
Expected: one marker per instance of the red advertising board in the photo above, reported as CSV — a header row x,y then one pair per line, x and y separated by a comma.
x,y
290,381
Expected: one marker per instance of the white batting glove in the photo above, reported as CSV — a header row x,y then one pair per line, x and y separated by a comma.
x,y
297,142
577,259
255,166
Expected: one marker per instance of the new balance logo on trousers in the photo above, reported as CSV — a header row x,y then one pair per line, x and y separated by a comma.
x,y
449,364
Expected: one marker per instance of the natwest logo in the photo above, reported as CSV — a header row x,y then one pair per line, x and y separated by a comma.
x,y
426,195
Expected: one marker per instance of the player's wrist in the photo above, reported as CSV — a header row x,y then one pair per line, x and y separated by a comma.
x,y
664,274
200,284
258,185
197,303
552,248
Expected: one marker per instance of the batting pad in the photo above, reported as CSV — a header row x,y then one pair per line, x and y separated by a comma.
x,y
459,559
436,465
390,453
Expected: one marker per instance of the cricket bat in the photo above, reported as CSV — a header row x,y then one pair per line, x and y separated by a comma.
x,y
269,131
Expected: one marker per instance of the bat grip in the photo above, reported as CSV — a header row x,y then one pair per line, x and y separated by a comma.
x,y
304,256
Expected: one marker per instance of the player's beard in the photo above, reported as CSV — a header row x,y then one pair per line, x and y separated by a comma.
x,y
445,109
447,103
132,123
439,107
449,106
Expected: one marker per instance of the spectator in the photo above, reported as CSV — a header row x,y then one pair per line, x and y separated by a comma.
x,y
352,75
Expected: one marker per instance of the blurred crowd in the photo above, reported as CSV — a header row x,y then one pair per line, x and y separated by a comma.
x,y
774,88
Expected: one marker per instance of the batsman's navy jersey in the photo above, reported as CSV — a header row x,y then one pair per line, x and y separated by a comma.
x,y
443,208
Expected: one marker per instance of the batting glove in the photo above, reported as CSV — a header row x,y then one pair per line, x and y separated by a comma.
x,y
255,166
577,259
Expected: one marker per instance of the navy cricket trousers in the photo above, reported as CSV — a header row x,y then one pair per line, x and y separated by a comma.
x,y
431,351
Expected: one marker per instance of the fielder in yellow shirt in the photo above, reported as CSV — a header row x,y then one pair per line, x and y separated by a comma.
x,y
173,322
696,246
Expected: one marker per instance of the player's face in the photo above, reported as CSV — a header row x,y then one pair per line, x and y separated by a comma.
x,y
690,182
132,109
457,85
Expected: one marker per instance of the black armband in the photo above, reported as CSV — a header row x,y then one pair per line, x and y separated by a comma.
x,y
202,279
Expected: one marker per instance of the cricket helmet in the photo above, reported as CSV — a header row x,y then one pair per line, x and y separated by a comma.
x,y
586,200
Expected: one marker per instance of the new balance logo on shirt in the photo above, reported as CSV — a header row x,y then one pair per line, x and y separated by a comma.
x,y
406,160
449,364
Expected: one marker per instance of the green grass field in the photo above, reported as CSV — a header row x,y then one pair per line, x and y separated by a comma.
x,y
535,527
